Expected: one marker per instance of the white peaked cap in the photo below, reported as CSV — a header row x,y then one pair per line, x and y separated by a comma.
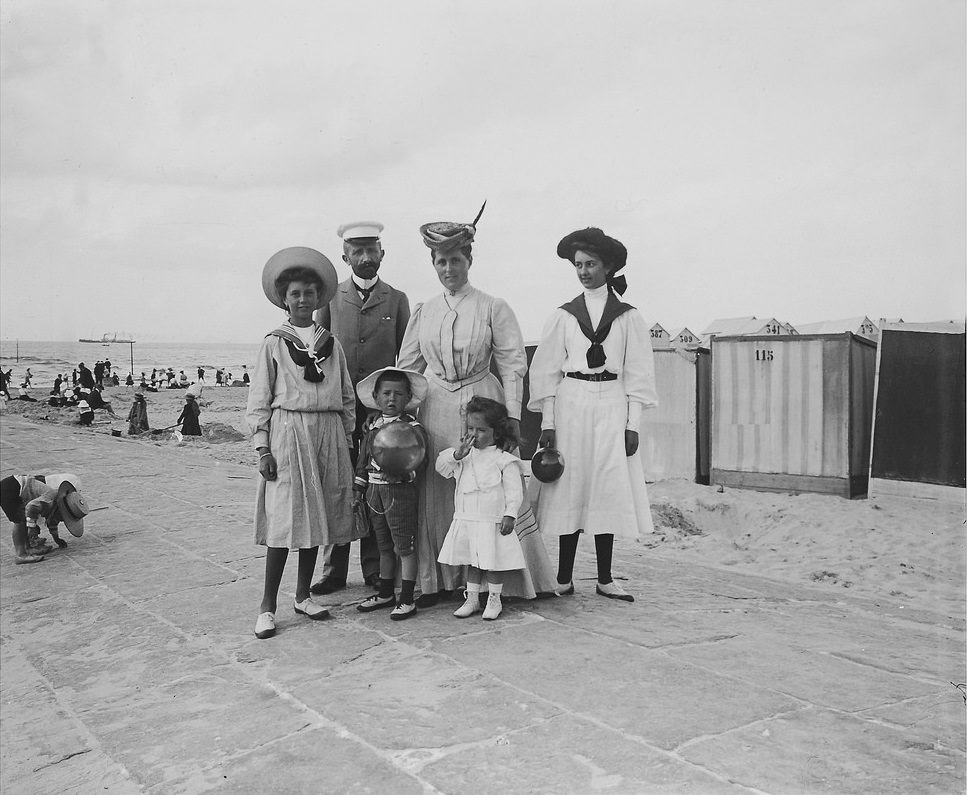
x,y
359,229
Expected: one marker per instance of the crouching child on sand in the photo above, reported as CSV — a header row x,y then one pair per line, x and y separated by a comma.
x,y
25,499
385,494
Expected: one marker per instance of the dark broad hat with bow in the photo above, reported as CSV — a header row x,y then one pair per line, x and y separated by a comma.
x,y
594,241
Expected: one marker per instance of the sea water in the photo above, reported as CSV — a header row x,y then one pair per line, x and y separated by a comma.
x,y
47,359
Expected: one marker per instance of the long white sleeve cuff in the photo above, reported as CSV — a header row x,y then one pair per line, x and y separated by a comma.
x,y
634,416
547,414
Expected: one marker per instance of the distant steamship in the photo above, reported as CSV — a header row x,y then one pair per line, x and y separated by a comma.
x,y
108,339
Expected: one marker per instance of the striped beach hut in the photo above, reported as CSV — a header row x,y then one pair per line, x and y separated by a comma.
x,y
792,412
861,326
660,338
674,439
745,327
685,339
919,427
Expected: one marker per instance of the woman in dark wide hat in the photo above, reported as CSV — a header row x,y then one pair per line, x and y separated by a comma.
x,y
452,339
592,375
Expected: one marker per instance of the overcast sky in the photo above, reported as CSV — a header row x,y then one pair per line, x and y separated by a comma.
x,y
803,159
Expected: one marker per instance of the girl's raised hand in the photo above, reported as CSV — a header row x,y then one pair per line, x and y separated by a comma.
x,y
464,447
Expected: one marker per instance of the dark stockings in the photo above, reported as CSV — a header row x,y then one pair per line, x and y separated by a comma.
x,y
275,558
603,550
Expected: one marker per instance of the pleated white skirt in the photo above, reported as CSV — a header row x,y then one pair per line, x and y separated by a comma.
x,y
602,490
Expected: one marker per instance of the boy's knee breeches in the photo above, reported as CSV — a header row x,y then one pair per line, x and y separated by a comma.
x,y
392,511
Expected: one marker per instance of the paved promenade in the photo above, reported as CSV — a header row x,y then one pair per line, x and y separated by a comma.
x,y
128,664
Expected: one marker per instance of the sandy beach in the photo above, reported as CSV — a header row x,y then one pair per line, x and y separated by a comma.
x,y
779,643
913,552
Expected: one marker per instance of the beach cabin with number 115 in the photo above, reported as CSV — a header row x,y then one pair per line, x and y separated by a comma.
x,y
792,412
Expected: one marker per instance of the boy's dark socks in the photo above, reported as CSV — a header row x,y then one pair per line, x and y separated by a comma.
x,y
385,588
406,591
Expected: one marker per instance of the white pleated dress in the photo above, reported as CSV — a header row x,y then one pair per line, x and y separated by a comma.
x,y
601,490
488,487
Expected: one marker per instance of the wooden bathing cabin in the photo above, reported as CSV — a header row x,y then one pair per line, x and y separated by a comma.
x,y
792,413
919,427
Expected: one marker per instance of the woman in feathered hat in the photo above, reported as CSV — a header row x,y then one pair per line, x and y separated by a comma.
x,y
452,339
591,376
301,410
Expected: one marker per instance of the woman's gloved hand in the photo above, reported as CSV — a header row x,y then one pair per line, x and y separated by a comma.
x,y
631,442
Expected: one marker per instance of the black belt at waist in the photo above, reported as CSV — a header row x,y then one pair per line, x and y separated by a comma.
x,y
605,376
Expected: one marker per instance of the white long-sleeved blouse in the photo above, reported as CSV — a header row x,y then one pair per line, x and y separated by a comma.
x,y
453,337
563,349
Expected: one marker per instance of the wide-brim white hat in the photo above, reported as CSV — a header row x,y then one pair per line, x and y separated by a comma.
x,y
418,387
73,506
299,257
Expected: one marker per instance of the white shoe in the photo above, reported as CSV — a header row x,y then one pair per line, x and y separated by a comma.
x,y
265,626
470,606
493,608
403,611
311,609
614,591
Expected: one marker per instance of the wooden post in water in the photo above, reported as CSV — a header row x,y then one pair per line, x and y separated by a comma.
x,y
132,358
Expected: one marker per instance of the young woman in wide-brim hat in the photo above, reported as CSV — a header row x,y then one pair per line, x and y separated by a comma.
x,y
301,411
591,376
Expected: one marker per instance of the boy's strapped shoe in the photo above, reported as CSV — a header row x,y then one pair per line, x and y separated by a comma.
x,y
375,602
403,611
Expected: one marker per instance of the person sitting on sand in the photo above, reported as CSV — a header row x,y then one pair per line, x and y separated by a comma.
x,y
22,394
26,498
138,416
96,401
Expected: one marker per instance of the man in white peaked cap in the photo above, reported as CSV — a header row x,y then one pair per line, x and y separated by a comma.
x,y
368,317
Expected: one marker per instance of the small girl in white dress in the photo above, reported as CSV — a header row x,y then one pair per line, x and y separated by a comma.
x,y
488,495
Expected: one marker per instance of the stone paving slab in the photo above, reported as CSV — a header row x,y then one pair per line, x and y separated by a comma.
x,y
128,664
818,750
